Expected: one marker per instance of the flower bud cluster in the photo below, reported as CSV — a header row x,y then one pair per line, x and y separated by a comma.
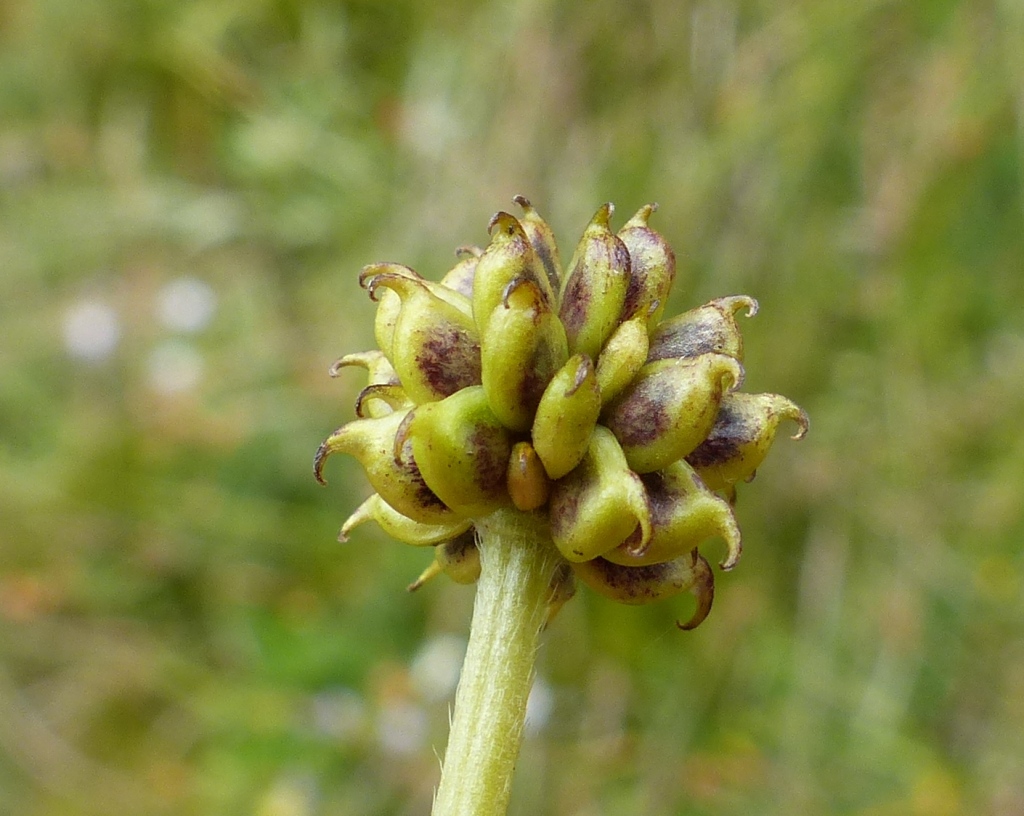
x,y
560,391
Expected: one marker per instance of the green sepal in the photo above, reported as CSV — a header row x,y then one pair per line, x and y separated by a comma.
x,y
566,416
642,585
706,329
462,451
378,367
741,437
595,286
542,239
435,348
459,558
684,513
600,504
509,256
460,277
521,348
652,268
392,471
401,527
622,357
670,407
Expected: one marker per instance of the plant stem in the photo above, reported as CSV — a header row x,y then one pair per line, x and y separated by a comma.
x,y
517,562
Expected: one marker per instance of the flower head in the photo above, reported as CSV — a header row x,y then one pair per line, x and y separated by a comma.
x,y
513,382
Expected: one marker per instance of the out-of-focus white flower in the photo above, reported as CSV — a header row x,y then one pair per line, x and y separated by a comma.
x,y
401,727
539,706
92,330
435,669
186,304
339,713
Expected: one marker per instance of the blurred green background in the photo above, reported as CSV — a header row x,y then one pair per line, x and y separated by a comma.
x,y
187,193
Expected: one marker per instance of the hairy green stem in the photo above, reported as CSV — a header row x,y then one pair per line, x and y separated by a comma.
x,y
518,561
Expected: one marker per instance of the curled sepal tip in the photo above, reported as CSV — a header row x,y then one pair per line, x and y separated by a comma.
x,y
652,268
670,407
378,369
521,348
684,513
462,451
595,286
566,416
395,477
381,399
542,239
435,348
401,527
600,504
654,582
708,328
742,435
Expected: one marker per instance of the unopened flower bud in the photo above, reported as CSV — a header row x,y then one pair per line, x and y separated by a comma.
x,y
435,347
528,483
561,401
460,277
684,513
670,407
595,286
566,416
622,357
401,527
458,558
521,348
600,504
542,239
652,268
393,474
742,436
462,451
708,328
509,256
654,582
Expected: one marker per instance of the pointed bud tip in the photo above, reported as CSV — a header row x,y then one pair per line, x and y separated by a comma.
x,y
703,591
584,369
730,561
508,225
734,303
802,420
523,202
363,359
401,434
468,251
321,457
731,371
369,274
602,218
641,216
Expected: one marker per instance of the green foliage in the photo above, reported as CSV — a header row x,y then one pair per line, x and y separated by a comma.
x,y
179,631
